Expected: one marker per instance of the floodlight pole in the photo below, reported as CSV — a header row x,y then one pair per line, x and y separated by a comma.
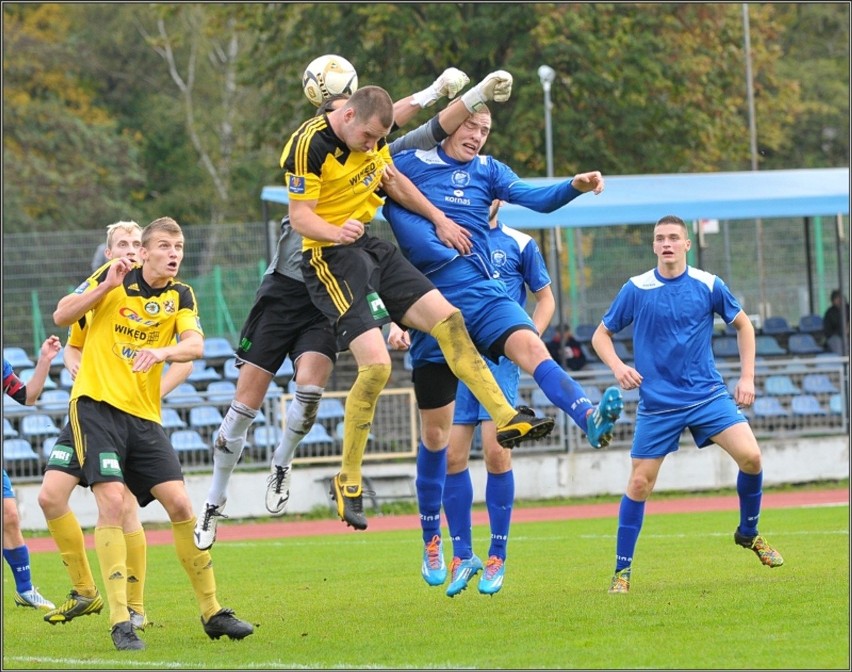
x,y
547,75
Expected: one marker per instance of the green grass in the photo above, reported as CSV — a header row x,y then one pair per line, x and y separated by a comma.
x,y
357,601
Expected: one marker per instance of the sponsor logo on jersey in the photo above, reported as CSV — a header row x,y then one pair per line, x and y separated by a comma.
x,y
109,464
133,316
377,306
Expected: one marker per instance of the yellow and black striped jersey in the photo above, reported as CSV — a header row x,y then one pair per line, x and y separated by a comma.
x,y
132,316
320,167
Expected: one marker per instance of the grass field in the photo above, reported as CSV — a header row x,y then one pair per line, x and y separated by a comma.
x,y
697,601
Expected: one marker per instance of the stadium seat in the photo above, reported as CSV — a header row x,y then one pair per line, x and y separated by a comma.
x,y
584,332
14,409
835,404
818,383
777,326
767,346
266,436
803,344
18,449
780,385
204,417
58,360
201,373
18,358
230,370
54,400
330,409
9,432
811,324
806,404
539,398
185,393
725,347
221,391
26,374
171,419
217,350
188,441
38,425
768,407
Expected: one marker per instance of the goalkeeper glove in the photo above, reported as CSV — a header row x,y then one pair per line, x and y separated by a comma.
x,y
451,81
496,86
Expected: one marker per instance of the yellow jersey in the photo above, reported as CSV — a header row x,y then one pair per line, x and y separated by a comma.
x,y
320,167
131,316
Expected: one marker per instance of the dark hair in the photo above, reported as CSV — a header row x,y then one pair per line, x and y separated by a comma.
x,y
372,101
835,294
670,219
327,104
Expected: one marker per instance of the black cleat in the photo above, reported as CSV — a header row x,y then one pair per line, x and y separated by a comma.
x,y
350,503
125,638
525,426
223,622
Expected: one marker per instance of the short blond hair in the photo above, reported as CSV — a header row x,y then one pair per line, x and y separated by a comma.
x,y
128,227
165,224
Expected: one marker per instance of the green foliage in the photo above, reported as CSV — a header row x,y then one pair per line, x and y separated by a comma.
x,y
356,601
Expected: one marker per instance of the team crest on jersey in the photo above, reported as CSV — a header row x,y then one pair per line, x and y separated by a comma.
x,y
460,179
498,258
169,306
152,308
296,185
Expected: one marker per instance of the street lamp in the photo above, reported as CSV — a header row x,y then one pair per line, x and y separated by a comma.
x,y
547,75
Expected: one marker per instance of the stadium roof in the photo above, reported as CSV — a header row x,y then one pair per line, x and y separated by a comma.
x,y
643,199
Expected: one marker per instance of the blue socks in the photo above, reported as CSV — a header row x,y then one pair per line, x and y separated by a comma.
x,y
750,491
630,517
431,472
563,391
458,500
499,496
19,560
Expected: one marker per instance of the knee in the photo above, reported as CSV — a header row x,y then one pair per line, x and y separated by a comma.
x,y
639,487
750,463
435,436
372,378
11,520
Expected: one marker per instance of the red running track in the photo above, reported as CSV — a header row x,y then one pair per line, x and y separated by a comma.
x,y
285,527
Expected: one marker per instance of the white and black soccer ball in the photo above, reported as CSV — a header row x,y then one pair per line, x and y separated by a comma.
x,y
327,76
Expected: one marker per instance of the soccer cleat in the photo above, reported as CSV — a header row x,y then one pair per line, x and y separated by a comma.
x,y
33,598
205,527
125,638
768,555
601,421
620,582
278,490
350,503
492,578
75,605
525,426
434,569
463,571
137,620
223,622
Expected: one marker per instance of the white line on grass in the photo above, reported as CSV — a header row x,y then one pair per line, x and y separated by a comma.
x,y
124,663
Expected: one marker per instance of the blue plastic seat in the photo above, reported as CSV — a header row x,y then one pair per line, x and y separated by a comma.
x,y
818,383
54,400
806,404
38,425
18,449
266,436
65,379
26,374
584,332
835,404
188,440
330,409
18,358
171,419
777,326
725,346
9,432
201,373
810,324
768,407
221,391
185,393
780,385
230,370
285,370
47,447
803,344
217,349
204,417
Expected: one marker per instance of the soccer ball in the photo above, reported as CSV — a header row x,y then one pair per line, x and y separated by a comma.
x,y
327,76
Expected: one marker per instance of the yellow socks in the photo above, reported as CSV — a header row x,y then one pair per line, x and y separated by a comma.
x,y
465,361
137,566
68,535
358,418
112,556
198,566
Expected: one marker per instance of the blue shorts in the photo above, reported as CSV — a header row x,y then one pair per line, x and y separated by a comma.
x,y
8,493
488,310
658,435
468,409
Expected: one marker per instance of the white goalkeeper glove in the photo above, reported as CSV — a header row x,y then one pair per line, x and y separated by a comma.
x,y
496,86
451,81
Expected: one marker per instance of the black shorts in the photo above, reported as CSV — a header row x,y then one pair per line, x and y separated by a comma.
x,y
118,447
362,286
284,321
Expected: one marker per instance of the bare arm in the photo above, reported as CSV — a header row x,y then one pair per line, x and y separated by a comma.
x,y
73,306
545,306
72,356
35,384
189,347
306,222
744,391
628,377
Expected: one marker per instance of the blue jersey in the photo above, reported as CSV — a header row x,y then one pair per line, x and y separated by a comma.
x,y
517,262
672,331
464,191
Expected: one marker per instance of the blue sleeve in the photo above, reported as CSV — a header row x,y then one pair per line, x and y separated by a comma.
x,y
620,312
724,302
542,199
533,267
